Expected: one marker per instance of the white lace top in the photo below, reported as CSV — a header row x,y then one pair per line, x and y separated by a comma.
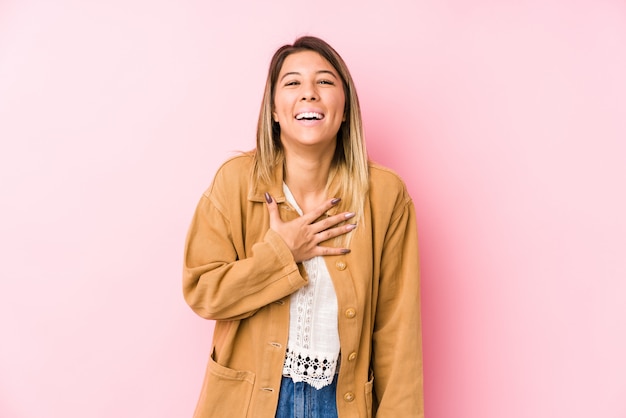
x,y
313,345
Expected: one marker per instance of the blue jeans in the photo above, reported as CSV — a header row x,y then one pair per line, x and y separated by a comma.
x,y
301,400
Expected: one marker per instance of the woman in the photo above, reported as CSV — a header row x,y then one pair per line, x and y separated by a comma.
x,y
305,255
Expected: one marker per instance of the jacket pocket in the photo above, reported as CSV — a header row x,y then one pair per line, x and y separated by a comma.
x,y
226,392
369,388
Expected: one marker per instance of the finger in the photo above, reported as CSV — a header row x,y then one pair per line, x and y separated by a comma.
x,y
323,251
311,216
273,211
331,221
333,232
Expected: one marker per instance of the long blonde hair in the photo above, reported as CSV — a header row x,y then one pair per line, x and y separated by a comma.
x,y
350,162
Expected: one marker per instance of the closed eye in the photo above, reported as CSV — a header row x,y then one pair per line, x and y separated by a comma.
x,y
328,82
292,83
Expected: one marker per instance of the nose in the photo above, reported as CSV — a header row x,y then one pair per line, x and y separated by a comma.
x,y
309,92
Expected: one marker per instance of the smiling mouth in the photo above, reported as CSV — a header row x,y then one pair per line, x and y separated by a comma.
x,y
309,116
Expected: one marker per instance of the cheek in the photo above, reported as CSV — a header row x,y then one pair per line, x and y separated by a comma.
x,y
341,106
280,109
340,100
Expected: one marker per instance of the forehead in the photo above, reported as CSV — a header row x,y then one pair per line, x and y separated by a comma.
x,y
305,62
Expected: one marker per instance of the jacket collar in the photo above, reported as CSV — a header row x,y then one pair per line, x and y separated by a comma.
x,y
258,187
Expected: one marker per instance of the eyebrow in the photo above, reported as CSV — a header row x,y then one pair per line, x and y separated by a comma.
x,y
317,72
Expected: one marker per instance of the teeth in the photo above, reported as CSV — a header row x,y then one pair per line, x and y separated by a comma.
x,y
309,115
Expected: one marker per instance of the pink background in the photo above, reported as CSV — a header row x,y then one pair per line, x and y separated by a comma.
x,y
507,121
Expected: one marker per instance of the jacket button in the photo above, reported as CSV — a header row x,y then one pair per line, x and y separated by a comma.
x,y
350,313
352,356
349,397
340,265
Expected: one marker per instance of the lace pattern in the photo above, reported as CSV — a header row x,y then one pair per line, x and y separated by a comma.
x,y
304,299
315,369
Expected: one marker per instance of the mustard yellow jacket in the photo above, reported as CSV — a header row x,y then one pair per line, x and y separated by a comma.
x,y
240,273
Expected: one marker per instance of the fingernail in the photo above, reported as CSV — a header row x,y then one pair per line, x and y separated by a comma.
x,y
351,227
345,250
350,215
268,198
335,200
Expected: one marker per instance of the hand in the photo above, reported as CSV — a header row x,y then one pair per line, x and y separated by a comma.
x,y
302,235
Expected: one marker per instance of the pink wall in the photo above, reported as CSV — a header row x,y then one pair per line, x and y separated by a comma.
x,y
507,121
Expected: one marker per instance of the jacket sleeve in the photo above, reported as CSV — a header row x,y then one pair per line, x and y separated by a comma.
x,y
224,282
397,343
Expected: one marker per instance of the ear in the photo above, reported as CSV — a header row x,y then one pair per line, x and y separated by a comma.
x,y
275,117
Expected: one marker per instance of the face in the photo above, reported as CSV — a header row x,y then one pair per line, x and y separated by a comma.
x,y
309,101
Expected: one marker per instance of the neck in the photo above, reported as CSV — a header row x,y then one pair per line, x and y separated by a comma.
x,y
306,176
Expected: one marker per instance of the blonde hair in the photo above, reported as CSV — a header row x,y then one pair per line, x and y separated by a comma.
x,y
350,162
